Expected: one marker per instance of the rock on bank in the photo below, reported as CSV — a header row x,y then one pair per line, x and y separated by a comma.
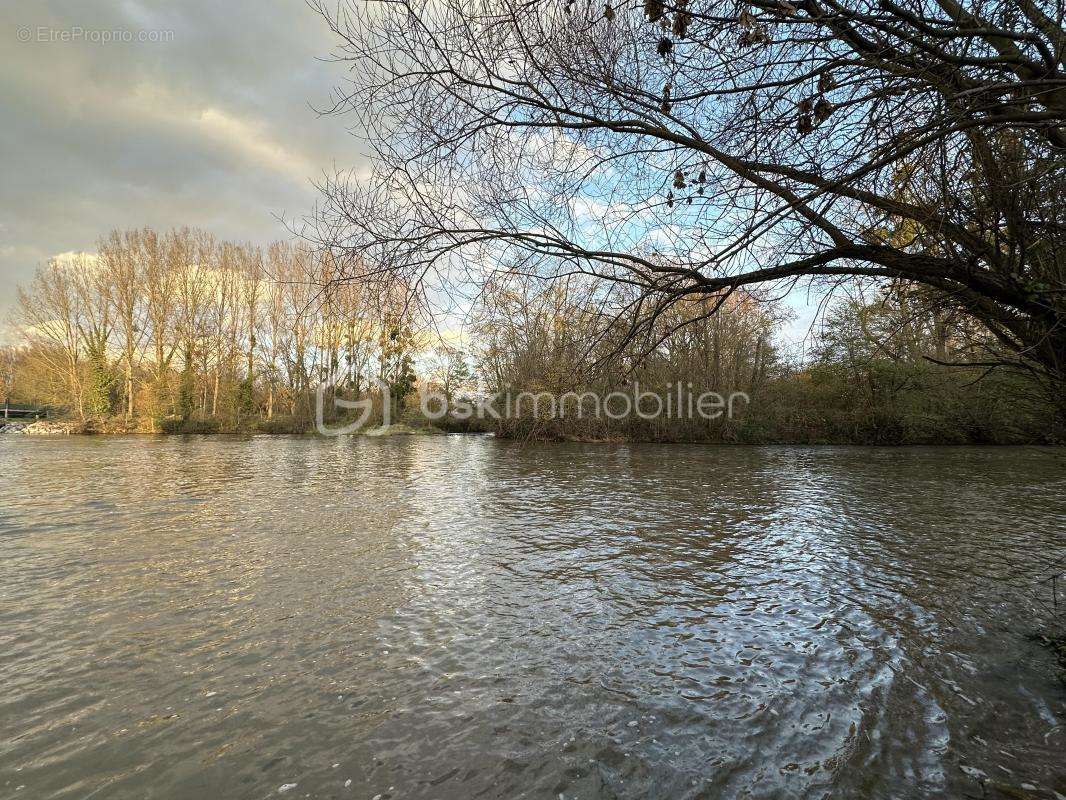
x,y
40,428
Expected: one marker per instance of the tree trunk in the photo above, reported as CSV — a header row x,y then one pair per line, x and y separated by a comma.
x,y
129,388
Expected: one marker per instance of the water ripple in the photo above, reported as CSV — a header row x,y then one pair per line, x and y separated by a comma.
x,y
460,617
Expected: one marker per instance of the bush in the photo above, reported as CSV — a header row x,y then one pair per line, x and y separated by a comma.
x,y
177,425
282,424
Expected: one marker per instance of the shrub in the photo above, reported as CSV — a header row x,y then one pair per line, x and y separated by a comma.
x,y
177,425
282,424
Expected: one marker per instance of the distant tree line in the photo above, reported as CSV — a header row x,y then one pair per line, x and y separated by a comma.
x,y
182,332
874,371
181,325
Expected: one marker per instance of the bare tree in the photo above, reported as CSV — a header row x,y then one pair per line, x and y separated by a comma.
x,y
191,256
162,254
125,266
95,322
9,359
223,307
448,369
300,291
692,148
48,313
251,293
275,322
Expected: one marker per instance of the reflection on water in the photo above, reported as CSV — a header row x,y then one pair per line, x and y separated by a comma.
x,y
459,617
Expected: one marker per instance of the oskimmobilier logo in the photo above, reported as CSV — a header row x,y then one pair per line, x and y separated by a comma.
x,y
365,407
678,401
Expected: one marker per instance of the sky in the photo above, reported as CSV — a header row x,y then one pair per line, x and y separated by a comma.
x,y
199,113
204,117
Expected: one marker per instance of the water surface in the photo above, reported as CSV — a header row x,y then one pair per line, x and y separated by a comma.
x,y
460,617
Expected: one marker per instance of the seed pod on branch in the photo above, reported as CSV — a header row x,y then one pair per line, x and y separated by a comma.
x,y
804,121
666,105
751,32
666,45
822,109
682,19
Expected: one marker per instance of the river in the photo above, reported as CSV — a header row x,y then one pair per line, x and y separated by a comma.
x,y
459,617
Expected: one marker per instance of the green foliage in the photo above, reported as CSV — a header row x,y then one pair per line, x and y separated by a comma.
x,y
187,390
99,386
283,425
402,379
178,425
246,397
397,343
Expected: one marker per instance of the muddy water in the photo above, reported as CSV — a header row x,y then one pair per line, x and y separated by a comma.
x,y
460,617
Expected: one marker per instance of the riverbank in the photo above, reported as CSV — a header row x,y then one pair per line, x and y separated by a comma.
x,y
38,428
779,428
210,427
886,437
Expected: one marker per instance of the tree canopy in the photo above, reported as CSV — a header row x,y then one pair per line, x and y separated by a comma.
x,y
689,149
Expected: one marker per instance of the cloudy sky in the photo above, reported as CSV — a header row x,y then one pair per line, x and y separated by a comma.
x,y
207,123
204,117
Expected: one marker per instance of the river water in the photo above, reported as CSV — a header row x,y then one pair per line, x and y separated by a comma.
x,y
462,617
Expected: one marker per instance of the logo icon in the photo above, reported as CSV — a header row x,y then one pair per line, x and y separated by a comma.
x,y
365,406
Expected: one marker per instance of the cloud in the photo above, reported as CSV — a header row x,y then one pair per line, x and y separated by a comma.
x,y
249,140
212,127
